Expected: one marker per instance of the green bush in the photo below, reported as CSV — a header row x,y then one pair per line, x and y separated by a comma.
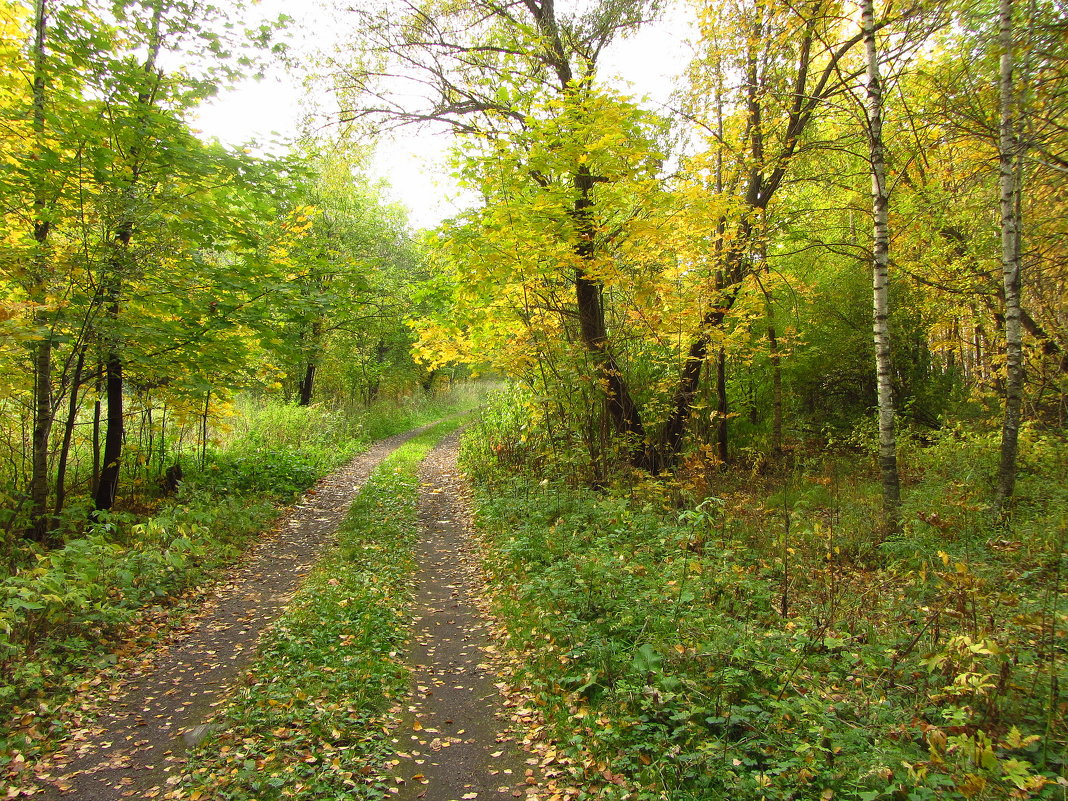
x,y
283,473
95,585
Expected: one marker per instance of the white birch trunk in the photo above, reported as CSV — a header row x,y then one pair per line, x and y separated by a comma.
x,y
880,280
1009,153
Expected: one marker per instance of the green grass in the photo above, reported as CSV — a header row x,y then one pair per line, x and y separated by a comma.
x,y
284,449
382,420
309,719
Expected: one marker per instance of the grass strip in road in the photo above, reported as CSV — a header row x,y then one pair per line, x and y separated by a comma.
x,y
307,721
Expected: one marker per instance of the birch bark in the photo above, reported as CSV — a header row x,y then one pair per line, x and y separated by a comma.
x,y
1009,155
880,278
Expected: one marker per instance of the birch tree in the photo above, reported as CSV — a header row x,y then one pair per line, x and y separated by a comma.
x,y
1009,178
880,272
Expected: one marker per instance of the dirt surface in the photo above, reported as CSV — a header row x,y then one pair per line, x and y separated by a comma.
x,y
136,748
452,742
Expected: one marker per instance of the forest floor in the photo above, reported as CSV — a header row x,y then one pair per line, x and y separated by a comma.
x,y
451,739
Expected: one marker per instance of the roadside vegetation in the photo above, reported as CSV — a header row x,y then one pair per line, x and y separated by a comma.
x,y
309,720
752,634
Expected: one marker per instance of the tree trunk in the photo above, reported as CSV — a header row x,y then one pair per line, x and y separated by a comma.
x,y
115,434
619,404
307,384
427,384
1009,153
43,419
776,391
107,486
163,434
204,430
43,414
721,408
95,479
68,433
951,353
880,278
306,387
150,449
108,483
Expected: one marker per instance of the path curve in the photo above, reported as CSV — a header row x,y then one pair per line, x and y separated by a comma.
x,y
136,749
452,742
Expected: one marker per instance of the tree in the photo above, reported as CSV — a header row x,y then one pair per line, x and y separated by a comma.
x,y
484,70
144,108
880,262
356,263
113,220
38,280
1010,163
38,185
790,62
145,89
793,62
980,101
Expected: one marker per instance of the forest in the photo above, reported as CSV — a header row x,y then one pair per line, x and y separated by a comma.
x,y
761,392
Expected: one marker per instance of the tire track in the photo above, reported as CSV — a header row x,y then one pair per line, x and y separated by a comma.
x,y
452,743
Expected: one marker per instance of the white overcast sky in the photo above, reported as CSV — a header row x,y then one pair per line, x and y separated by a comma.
x,y
412,162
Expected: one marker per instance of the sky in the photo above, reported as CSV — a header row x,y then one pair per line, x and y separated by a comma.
x,y
412,162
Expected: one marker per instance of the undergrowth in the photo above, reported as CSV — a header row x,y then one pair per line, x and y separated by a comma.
x,y
745,634
308,720
75,611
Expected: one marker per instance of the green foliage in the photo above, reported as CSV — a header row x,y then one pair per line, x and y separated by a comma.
x,y
282,449
951,501
355,268
284,471
386,418
758,645
189,271
308,721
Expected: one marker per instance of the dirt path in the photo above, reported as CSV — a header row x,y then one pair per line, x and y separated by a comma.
x,y
139,741
451,743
